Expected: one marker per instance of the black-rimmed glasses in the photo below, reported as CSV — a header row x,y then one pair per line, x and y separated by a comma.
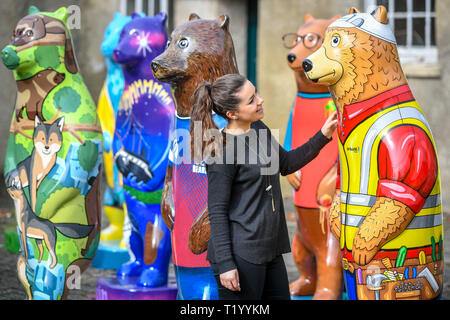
x,y
310,40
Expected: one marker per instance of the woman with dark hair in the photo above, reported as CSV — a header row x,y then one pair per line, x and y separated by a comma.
x,y
243,162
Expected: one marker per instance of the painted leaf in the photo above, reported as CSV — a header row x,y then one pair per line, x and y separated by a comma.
x,y
87,155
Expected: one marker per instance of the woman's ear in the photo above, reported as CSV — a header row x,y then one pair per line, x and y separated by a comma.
x,y
231,115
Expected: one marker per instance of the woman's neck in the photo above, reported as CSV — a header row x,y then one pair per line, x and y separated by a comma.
x,y
237,127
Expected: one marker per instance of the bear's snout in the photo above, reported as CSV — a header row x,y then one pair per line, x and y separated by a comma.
x,y
10,58
155,66
291,57
307,65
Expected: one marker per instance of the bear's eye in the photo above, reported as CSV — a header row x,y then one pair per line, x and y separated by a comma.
x,y
167,44
133,32
183,43
29,33
335,40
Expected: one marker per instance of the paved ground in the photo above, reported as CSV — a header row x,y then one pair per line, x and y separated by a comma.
x,y
11,289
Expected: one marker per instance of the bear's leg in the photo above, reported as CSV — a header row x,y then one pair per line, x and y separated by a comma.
x,y
303,257
305,285
157,250
136,247
133,267
329,271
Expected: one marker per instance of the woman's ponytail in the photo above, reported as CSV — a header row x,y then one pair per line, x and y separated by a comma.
x,y
201,115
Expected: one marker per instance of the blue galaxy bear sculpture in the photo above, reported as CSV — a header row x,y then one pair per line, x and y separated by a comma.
x,y
144,124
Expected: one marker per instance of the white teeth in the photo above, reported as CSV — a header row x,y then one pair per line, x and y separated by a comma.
x,y
126,157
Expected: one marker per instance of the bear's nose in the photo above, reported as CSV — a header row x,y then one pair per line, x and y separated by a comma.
x,y
10,58
47,147
307,65
155,66
291,57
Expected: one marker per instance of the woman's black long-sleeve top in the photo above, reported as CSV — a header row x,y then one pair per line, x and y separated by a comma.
x,y
245,204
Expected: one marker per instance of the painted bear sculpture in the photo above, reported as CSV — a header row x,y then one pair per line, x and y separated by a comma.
x,y
314,249
200,50
108,103
387,212
53,158
141,144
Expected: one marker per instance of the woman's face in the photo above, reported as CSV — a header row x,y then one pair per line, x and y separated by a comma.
x,y
250,108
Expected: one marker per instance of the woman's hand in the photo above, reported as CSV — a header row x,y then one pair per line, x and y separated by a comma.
x,y
295,179
230,280
330,125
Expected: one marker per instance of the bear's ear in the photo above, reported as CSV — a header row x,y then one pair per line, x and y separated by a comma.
x,y
162,16
33,10
224,21
380,14
136,15
62,14
308,17
353,10
193,16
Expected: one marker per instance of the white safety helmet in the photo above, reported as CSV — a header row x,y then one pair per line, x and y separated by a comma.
x,y
366,22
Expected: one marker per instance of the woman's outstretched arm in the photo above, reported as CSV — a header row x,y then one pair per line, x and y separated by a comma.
x,y
292,161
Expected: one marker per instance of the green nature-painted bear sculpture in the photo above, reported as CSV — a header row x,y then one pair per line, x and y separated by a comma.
x,y
53,158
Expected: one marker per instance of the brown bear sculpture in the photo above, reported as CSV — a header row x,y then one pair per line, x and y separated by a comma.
x,y
314,249
199,50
